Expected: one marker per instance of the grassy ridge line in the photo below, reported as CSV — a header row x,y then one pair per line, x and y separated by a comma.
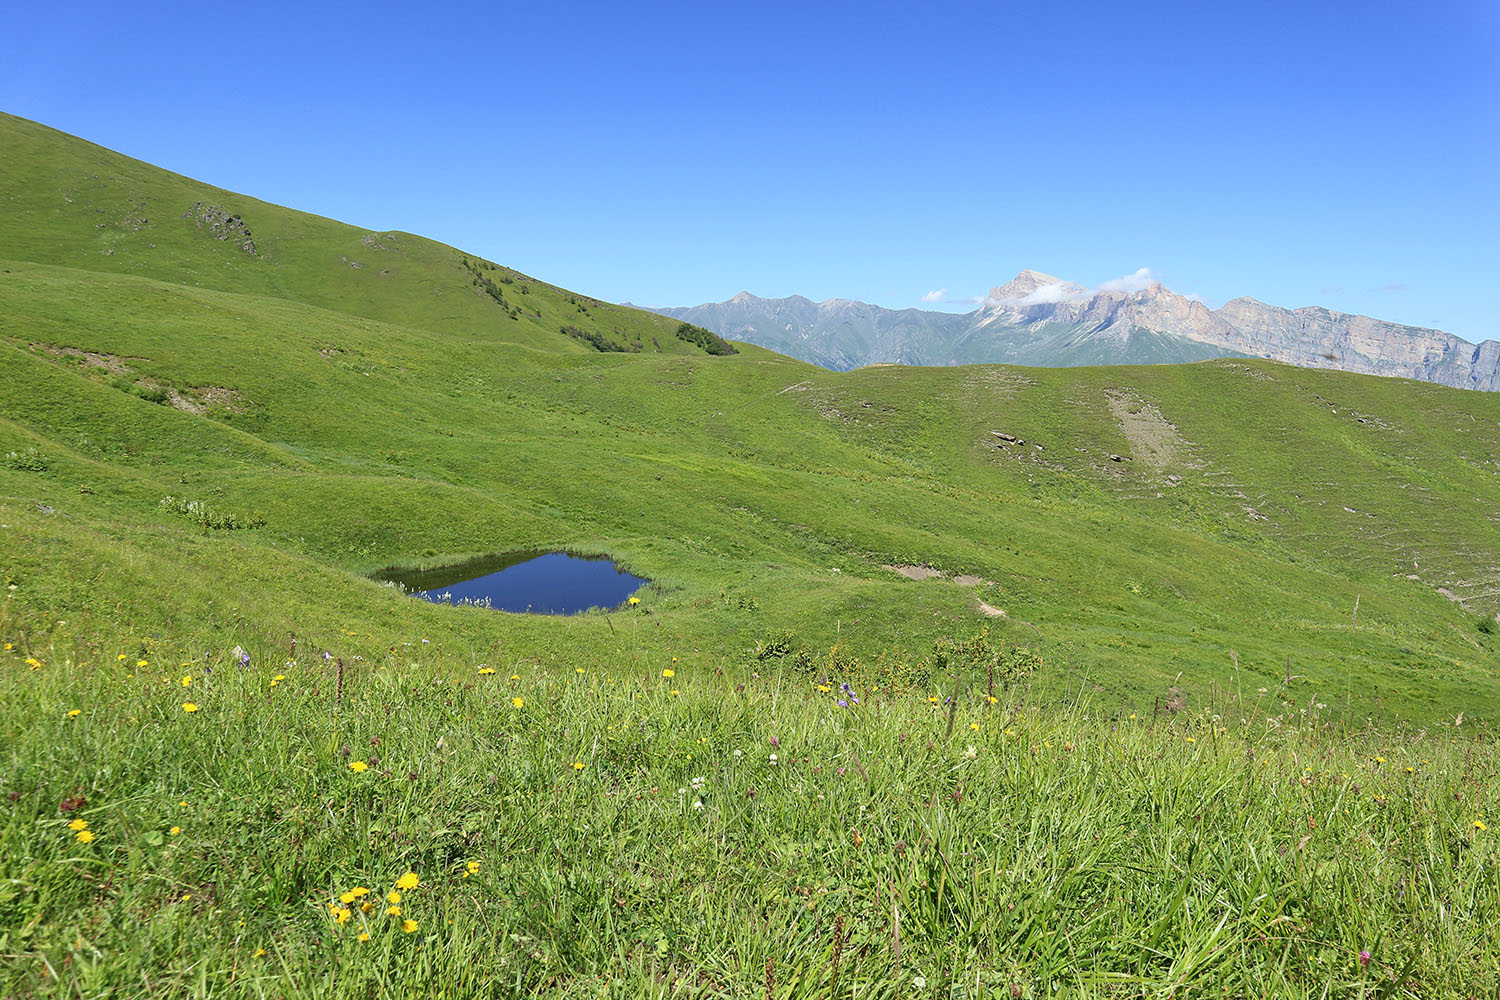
x,y
72,203
639,829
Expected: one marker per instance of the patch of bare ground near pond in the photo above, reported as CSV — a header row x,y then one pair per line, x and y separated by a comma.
x,y
928,573
112,363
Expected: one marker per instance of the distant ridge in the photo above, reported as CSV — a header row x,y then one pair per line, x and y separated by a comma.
x,y
1039,319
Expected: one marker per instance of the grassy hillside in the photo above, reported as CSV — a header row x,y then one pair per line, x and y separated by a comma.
x,y
72,203
203,449
765,495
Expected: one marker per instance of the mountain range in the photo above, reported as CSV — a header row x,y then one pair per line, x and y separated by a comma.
x,y
1037,319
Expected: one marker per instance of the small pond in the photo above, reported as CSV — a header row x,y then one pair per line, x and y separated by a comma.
x,y
543,583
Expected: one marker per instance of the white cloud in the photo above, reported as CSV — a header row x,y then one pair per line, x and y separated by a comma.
x,y
1062,291
1140,280
936,295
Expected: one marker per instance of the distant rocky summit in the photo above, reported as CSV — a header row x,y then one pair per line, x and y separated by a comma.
x,y
1038,319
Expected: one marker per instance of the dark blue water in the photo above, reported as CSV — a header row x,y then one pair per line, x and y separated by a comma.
x,y
543,583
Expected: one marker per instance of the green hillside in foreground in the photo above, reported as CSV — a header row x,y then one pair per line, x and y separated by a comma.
x,y
1200,703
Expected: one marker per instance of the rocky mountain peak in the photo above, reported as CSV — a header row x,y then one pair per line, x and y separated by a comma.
x,y
1022,285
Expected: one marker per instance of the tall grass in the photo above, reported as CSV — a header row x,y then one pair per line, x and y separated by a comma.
x,y
638,829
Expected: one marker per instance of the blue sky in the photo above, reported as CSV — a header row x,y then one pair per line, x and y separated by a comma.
x,y
1340,154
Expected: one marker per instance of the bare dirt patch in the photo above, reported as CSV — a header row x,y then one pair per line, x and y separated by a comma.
x,y
112,363
916,572
928,573
990,611
1154,441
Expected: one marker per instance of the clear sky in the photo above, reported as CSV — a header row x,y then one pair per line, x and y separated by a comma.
x,y
1313,152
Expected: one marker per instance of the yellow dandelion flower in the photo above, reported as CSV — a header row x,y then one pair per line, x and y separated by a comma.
x,y
932,698
991,699
358,766
359,891
364,936
515,677
85,836
347,898
33,662
75,713
486,670
675,692
188,706
578,670
175,830
669,672
393,897
143,663
518,701
408,926
183,803
366,906
279,678
408,881
121,658
187,682
342,914
1479,825
973,725
473,867
635,601
393,910
578,765
78,824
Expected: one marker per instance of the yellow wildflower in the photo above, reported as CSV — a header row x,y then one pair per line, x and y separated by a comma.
x,y
364,936
347,898
342,915
393,897
1479,825
578,765
143,663
187,682
85,836
634,601
518,701
74,713
358,766
78,824
175,830
259,952
188,706
408,926
515,677
486,670
669,672
393,910
973,725
408,881
473,869
33,662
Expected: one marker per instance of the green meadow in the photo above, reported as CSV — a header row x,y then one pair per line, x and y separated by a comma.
x,y
1198,698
